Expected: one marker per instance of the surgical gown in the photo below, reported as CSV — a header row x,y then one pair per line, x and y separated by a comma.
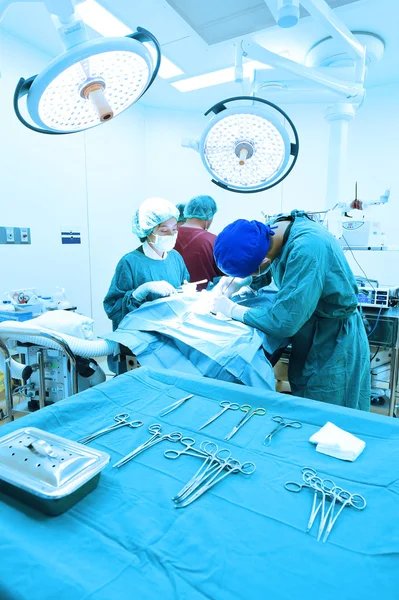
x,y
134,269
316,306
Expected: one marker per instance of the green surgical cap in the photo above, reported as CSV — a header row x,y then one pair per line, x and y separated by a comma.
x,y
201,207
180,207
151,213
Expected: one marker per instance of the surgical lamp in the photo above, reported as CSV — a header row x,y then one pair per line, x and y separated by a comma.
x,y
247,148
92,81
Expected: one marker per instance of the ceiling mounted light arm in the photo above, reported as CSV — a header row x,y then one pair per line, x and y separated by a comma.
x,y
320,10
347,89
143,35
247,148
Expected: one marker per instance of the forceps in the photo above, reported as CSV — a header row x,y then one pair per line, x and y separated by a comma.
x,y
328,490
281,424
246,468
189,449
175,405
226,406
155,429
215,461
351,500
319,486
121,421
250,412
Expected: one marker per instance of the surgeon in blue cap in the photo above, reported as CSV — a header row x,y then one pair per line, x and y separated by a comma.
x,y
316,305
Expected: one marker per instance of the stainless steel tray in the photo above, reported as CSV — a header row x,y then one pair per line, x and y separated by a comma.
x,y
47,471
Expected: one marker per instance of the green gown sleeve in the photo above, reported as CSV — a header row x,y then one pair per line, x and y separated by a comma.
x,y
119,299
300,290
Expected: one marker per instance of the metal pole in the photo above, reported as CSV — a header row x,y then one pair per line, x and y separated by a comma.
x,y
393,376
338,117
7,380
42,379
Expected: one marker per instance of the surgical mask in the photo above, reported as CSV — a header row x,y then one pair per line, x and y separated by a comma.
x,y
164,243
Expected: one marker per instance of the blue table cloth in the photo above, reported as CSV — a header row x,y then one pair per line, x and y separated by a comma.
x,y
243,540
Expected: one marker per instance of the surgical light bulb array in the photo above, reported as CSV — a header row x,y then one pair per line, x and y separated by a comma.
x,y
62,107
249,146
267,144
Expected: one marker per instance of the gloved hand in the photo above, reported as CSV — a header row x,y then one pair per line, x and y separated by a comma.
x,y
230,285
159,289
221,304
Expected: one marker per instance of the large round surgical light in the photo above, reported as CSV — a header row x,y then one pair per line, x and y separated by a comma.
x,y
248,148
89,84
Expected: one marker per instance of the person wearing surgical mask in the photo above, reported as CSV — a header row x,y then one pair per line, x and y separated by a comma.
x,y
315,306
154,270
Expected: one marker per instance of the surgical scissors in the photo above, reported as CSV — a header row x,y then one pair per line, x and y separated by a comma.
x,y
281,423
121,421
226,406
175,405
156,430
250,412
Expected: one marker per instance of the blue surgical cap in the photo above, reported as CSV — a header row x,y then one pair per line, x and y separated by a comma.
x,y
180,207
241,247
151,213
201,207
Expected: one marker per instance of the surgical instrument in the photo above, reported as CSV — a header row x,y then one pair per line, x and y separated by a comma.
x,y
281,423
213,464
249,413
121,421
189,449
191,285
330,491
210,472
226,406
175,405
351,500
231,465
155,429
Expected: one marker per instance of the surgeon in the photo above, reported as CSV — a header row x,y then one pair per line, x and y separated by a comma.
x,y
154,270
316,305
194,241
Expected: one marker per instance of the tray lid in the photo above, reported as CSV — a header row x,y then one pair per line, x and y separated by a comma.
x,y
45,464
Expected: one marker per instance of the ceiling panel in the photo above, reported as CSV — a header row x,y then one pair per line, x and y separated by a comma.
x,y
220,20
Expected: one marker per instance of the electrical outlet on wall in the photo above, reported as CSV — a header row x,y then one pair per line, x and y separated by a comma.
x,y
10,239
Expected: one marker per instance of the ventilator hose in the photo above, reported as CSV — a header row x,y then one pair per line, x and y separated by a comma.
x,y
16,367
80,347
97,377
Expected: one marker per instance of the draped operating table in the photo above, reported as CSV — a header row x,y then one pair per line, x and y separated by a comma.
x,y
245,539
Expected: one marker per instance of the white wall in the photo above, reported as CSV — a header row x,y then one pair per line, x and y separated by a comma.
x,y
373,162
92,182
178,173
116,186
42,187
96,180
